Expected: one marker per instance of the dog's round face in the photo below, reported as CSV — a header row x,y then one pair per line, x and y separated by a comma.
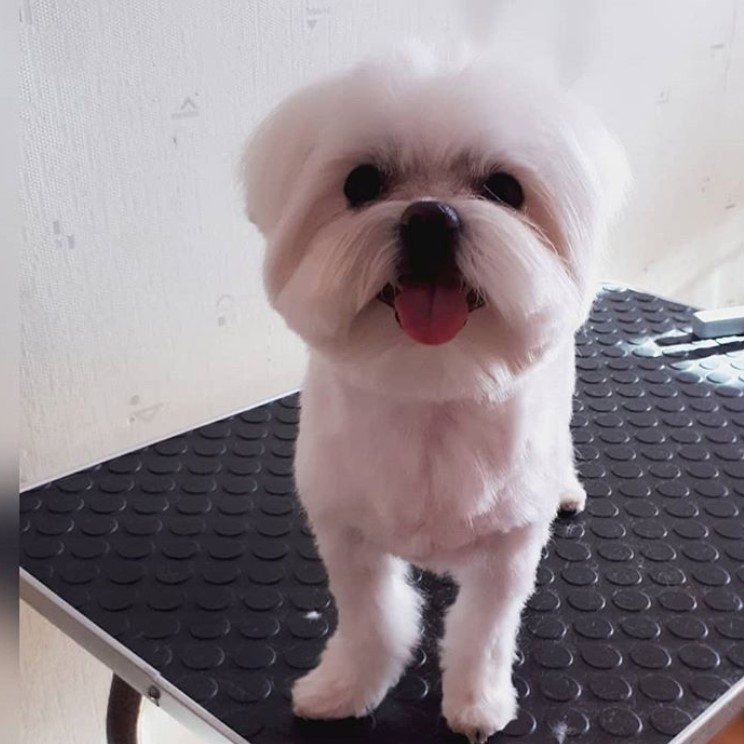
x,y
431,230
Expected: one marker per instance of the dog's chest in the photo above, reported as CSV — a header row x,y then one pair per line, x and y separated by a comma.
x,y
429,473
416,477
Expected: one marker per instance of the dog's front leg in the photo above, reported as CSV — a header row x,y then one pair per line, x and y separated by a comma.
x,y
378,626
481,629
573,495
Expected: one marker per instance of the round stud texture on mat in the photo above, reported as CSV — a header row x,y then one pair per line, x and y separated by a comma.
x,y
195,555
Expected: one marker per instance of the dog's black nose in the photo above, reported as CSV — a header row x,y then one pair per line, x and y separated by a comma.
x,y
424,220
429,231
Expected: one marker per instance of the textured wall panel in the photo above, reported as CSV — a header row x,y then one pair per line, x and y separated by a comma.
x,y
142,308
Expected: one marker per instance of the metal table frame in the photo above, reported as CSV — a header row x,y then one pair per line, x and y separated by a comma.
x,y
134,679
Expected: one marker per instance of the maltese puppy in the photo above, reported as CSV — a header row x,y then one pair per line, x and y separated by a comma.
x,y
430,233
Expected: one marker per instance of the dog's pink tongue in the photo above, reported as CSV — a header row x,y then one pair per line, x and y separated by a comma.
x,y
432,313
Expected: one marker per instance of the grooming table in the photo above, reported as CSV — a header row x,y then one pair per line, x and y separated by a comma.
x,y
188,567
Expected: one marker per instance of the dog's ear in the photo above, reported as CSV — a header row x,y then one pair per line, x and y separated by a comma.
x,y
277,153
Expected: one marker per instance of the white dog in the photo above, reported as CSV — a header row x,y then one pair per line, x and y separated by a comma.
x,y
431,229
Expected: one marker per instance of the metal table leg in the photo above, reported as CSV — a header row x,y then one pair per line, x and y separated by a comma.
x,y
122,714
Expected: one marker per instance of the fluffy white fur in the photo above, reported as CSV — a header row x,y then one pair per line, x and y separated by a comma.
x,y
453,457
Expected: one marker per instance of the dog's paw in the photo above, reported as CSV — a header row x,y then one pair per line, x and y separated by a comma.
x,y
335,689
573,499
481,720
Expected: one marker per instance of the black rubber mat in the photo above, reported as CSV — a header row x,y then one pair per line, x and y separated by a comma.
x,y
194,554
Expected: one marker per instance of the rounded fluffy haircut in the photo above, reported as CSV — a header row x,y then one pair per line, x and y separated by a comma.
x,y
454,456
435,126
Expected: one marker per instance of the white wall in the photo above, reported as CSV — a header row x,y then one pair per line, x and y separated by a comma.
x,y
142,308
64,690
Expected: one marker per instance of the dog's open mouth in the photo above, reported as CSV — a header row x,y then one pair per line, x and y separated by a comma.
x,y
431,311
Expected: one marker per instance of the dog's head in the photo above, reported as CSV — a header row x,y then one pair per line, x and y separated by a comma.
x,y
431,228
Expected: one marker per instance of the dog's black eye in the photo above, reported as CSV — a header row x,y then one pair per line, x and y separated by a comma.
x,y
505,189
364,184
